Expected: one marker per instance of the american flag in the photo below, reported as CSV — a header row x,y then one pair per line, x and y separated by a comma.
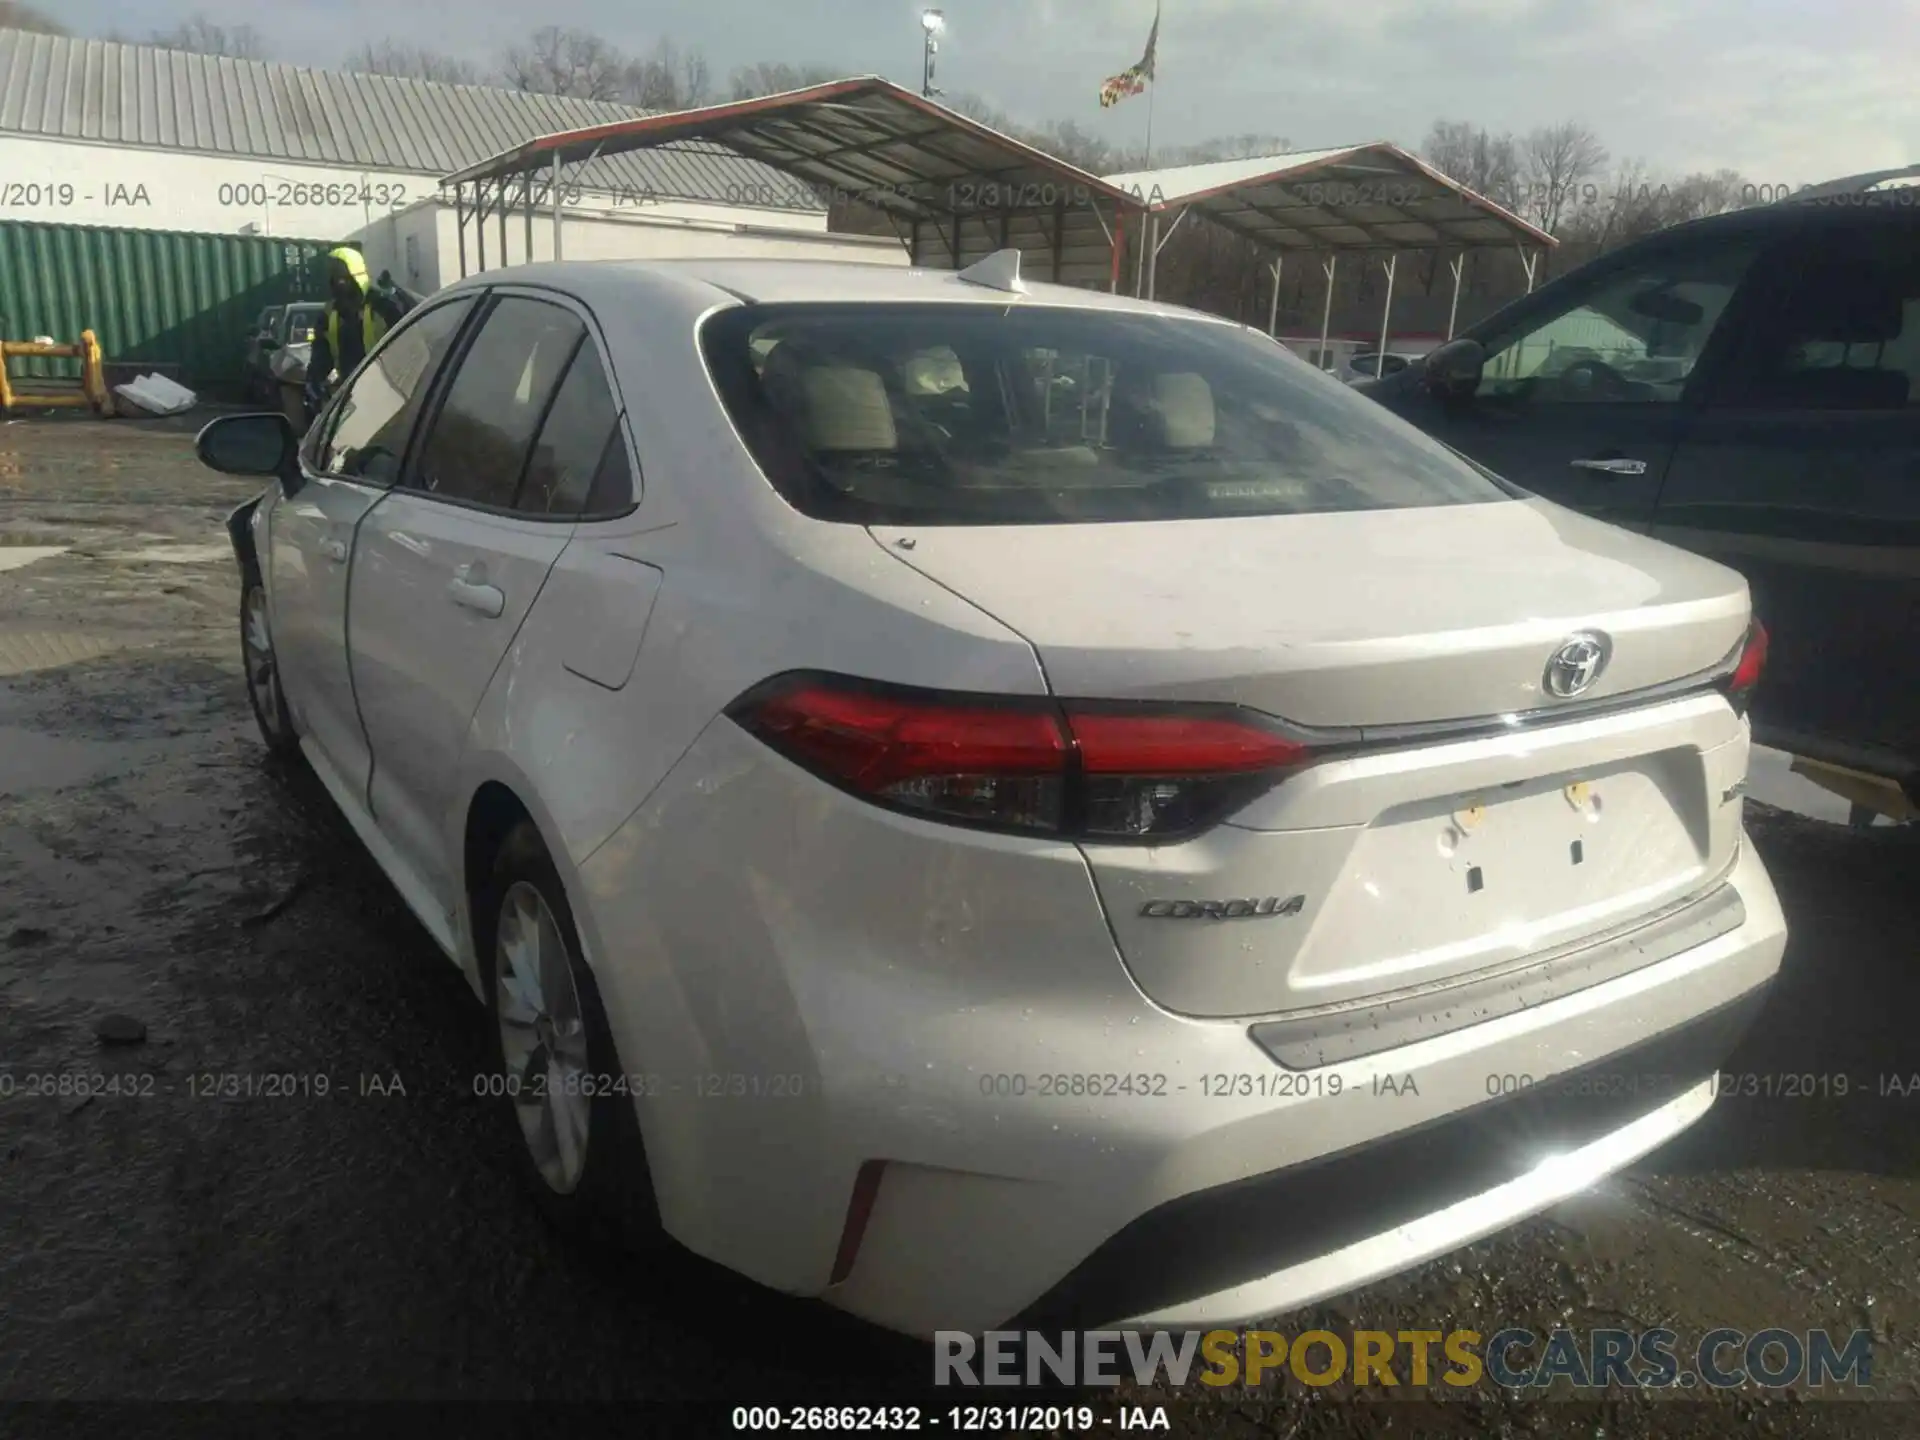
x,y
1134,79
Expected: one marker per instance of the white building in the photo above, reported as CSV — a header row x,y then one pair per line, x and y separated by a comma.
x,y
94,132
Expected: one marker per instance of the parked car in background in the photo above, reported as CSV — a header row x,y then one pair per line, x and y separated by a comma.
x,y
278,328
259,344
1746,386
955,792
1371,364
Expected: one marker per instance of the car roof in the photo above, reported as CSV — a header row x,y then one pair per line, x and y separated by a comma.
x,y
1779,218
809,282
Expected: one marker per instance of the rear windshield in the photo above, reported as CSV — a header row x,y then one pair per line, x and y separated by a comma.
x,y
1029,414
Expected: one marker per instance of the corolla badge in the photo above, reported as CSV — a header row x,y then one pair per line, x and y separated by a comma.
x,y
1263,908
1577,664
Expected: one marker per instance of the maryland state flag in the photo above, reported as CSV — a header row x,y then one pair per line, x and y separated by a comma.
x,y
1133,80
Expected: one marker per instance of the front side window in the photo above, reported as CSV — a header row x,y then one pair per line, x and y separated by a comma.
x,y
1634,336
478,446
991,415
369,425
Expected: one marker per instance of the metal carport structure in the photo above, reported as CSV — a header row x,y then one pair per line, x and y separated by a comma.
x,y
954,189
1377,200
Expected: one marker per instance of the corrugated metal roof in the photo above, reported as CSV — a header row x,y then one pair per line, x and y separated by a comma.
x,y
63,88
1173,181
965,190
1374,197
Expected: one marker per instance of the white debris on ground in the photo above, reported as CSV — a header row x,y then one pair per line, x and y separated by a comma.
x,y
156,395
13,557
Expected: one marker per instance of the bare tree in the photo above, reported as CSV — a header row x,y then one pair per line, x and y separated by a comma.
x,y
15,16
201,36
566,62
769,77
1485,163
412,62
1558,166
1700,195
1072,144
667,79
1635,201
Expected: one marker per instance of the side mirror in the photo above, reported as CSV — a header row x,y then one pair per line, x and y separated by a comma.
x,y
1453,371
262,444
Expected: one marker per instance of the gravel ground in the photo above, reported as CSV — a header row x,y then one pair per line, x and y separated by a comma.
x,y
370,1243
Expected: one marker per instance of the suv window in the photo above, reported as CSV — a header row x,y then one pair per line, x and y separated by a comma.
x,y
300,322
1634,335
477,447
369,425
993,415
574,442
1847,336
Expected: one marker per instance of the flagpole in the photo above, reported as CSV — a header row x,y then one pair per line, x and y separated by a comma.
x,y
1153,81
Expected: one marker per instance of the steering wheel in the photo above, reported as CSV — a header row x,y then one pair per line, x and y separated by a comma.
x,y
1594,379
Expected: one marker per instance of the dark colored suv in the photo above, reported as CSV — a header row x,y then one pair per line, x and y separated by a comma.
x,y
1747,386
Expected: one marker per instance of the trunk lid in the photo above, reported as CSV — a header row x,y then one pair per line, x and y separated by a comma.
x,y
1357,618
1392,871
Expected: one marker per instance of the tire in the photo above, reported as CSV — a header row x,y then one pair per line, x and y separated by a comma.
x,y
262,667
551,1048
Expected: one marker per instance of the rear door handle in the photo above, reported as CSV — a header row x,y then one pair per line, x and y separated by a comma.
x,y
488,600
1613,466
334,550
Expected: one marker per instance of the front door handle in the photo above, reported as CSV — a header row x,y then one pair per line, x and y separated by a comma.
x,y
488,600
334,550
1613,465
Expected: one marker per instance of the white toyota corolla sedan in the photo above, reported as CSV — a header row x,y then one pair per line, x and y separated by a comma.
x,y
996,804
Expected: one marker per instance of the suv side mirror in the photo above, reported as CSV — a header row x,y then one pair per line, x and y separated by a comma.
x,y
1452,372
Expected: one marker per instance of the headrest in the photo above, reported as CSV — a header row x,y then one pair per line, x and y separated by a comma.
x,y
1849,315
845,408
1184,404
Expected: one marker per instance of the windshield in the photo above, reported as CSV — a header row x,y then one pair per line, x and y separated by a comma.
x,y
978,415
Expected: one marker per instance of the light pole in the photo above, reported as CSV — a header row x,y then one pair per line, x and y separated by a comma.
x,y
934,24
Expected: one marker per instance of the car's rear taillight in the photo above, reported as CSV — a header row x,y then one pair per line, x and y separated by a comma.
x,y
959,759
1748,669
1088,770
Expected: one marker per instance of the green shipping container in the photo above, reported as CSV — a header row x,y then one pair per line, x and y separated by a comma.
x,y
156,297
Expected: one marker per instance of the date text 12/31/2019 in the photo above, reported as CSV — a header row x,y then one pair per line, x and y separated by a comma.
x,y
963,1419
16,1083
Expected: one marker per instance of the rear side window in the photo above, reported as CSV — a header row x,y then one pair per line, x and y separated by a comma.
x,y
1847,334
372,420
991,415
477,449
574,444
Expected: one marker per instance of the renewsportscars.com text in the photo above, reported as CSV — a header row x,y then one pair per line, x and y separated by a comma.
x,y
1513,1358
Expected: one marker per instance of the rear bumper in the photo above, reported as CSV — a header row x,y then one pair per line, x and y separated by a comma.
x,y
1332,1223
1245,1214
810,984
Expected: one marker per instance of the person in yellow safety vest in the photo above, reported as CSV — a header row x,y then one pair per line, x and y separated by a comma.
x,y
357,316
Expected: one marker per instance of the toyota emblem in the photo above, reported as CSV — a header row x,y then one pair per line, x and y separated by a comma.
x,y
1577,664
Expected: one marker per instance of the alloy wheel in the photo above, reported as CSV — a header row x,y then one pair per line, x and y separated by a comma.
x,y
543,1036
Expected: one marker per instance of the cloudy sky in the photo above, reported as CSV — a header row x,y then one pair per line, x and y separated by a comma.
x,y
1783,92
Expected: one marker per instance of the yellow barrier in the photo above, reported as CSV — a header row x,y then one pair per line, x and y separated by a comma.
x,y
90,392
